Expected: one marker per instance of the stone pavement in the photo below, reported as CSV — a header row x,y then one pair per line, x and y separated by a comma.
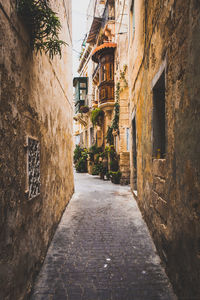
x,y
102,249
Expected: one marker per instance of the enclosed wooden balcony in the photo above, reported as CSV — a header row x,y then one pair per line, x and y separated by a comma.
x,y
104,56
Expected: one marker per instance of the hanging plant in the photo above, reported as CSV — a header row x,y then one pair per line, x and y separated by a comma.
x,y
43,26
96,116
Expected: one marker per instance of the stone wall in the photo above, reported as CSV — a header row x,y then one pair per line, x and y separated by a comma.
x,y
121,78
36,102
166,39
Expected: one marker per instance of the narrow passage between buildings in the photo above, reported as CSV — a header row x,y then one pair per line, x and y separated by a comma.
x,y
102,249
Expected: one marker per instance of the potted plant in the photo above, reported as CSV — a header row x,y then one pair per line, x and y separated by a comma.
x,y
115,177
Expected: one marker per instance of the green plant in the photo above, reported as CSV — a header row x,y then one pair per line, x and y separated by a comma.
x,y
94,150
95,170
115,177
109,136
81,165
108,175
77,153
115,121
111,150
43,26
123,76
96,116
114,166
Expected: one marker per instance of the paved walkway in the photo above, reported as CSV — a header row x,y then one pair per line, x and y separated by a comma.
x,y
102,249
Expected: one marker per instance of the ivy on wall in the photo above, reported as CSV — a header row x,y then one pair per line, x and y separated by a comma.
x,y
109,136
123,76
43,26
115,120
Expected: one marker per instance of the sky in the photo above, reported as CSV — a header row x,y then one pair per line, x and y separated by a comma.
x,y
79,9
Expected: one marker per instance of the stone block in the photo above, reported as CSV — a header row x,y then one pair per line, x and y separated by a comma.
x,y
159,186
159,167
160,205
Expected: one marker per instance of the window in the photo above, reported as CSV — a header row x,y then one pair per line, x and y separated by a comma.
x,y
33,168
83,85
102,94
111,71
103,73
83,94
159,139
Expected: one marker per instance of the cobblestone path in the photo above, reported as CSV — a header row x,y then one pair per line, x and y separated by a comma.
x,y
102,250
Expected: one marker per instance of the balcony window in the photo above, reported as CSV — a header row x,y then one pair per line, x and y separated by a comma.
x,y
103,73
83,94
81,88
111,71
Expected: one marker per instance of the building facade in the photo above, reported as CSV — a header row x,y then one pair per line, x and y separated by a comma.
x,y
164,121
36,177
103,64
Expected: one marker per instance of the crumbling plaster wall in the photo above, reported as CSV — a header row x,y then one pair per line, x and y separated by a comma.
x,y
168,189
36,100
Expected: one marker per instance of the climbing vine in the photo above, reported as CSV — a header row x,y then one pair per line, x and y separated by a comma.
x,y
115,120
109,136
43,25
123,76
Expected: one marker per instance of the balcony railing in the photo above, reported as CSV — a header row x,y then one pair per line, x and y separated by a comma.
x,y
78,105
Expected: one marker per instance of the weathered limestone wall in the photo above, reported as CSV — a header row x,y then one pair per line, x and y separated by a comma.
x,y
121,77
168,189
36,101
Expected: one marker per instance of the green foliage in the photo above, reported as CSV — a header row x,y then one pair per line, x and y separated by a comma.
x,y
43,26
95,169
77,153
80,159
98,168
108,175
115,177
109,136
111,150
96,116
115,121
94,150
114,166
117,91
123,75
81,165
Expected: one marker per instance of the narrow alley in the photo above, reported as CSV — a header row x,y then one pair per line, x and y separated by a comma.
x,y
102,249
